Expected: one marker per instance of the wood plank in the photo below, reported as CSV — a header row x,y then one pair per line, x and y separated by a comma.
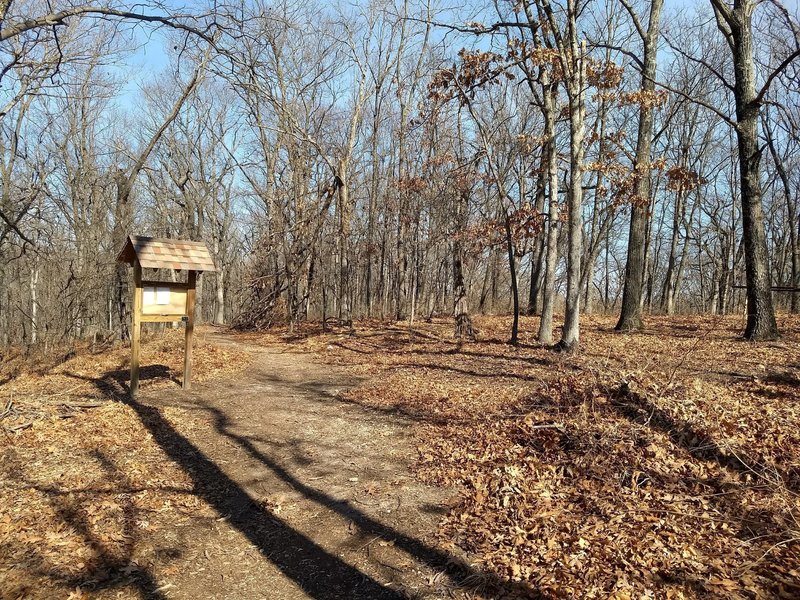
x,y
173,284
187,353
161,318
136,335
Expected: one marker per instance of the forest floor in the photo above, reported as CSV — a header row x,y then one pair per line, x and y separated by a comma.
x,y
257,483
392,462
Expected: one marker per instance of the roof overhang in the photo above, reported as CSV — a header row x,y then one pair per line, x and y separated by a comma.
x,y
162,253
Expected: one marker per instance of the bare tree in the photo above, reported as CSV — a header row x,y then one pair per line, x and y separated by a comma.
x,y
736,24
572,59
630,315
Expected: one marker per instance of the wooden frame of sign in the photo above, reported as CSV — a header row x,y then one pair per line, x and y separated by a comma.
x,y
148,312
163,301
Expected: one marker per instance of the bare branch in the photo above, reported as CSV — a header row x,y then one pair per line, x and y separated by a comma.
x,y
59,18
702,103
137,167
723,10
635,18
775,73
636,60
700,61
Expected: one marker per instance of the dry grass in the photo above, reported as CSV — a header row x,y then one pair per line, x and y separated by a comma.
x,y
86,372
660,464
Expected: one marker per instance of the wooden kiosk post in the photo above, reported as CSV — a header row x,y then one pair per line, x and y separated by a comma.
x,y
163,301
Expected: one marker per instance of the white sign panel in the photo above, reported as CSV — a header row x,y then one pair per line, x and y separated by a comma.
x,y
155,295
163,299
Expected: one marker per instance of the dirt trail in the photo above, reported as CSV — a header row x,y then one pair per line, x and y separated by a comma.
x,y
315,494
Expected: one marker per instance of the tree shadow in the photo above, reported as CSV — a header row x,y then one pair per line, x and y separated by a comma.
x,y
769,522
320,574
459,573
642,411
784,378
107,570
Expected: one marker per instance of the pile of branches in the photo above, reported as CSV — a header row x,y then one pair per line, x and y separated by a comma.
x,y
263,305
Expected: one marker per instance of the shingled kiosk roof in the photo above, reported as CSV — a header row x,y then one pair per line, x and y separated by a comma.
x,y
155,253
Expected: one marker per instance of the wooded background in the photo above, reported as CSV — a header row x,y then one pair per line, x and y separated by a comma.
x,y
400,159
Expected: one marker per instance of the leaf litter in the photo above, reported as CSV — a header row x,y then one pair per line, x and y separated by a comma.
x,y
81,479
661,464
664,463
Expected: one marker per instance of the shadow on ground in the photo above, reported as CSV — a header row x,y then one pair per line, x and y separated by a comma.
x,y
320,574
642,411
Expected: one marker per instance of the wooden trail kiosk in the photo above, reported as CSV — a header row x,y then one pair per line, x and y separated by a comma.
x,y
163,301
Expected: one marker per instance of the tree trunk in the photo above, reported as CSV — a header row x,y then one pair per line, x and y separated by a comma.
x,y
219,317
795,244
512,268
761,324
345,310
791,210
596,232
682,264
122,224
463,321
630,317
571,332
548,292
668,290
373,199
737,25
538,253
34,283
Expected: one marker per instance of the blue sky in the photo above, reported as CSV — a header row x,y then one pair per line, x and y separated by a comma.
x,y
141,67
151,57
